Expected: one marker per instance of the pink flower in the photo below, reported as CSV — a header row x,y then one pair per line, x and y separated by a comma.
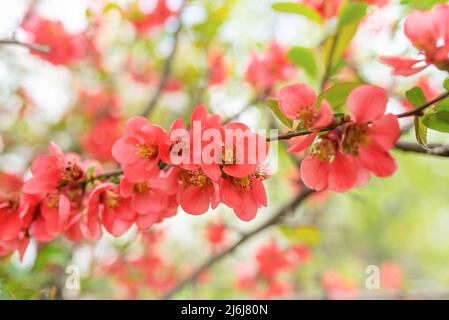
x,y
197,192
344,159
99,141
326,8
64,48
216,233
154,199
298,102
138,150
53,217
264,72
10,206
271,260
391,276
244,195
51,171
428,32
105,206
145,21
217,69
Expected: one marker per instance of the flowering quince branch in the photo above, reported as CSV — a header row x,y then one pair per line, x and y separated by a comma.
x,y
167,66
276,218
340,122
35,47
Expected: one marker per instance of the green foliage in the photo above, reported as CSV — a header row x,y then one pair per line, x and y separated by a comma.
x,y
416,96
338,94
446,84
298,8
420,132
274,106
303,234
438,121
348,21
304,58
421,4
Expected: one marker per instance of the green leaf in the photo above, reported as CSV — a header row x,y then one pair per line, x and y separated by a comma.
x,y
349,18
446,84
304,58
304,234
438,121
416,96
338,94
442,105
274,106
352,12
421,132
298,8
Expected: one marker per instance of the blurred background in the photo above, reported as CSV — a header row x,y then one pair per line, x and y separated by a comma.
x,y
329,247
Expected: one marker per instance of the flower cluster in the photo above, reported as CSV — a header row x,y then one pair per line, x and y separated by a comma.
x,y
350,149
266,281
161,171
429,33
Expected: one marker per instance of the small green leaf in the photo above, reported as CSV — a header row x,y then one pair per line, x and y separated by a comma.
x,y
438,121
349,18
304,234
298,8
90,172
274,106
443,105
352,12
338,94
416,96
446,84
304,58
421,132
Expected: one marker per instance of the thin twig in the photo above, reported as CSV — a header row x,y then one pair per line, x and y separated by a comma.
x,y
419,110
413,112
167,66
35,47
300,197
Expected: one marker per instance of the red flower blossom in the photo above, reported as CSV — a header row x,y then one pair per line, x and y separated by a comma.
x,y
216,232
428,33
105,206
341,160
263,73
197,192
64,48
271,260
146,21
51,171
245,195
138,150
391,276
154,199
99,141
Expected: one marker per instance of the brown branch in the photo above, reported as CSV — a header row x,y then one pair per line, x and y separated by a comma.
x,y
35,47
434,149
413,112
419,110
167,66
214,259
